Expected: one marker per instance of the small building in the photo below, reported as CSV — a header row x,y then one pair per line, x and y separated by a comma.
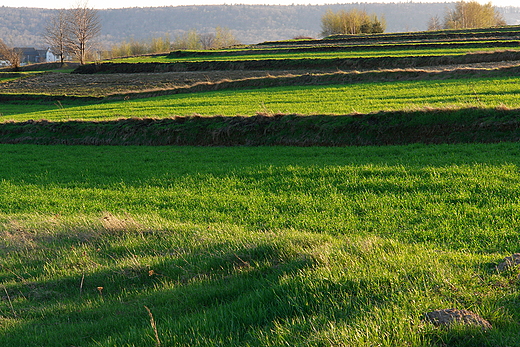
x,y
30,55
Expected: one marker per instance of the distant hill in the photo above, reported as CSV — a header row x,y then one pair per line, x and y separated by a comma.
x,y
249,23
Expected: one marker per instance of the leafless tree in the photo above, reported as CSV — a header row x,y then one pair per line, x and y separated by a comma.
x,y
83,26
434,23
56,34
207,40
10,54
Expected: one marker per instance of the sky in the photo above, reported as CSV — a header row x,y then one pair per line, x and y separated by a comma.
x,y
101,4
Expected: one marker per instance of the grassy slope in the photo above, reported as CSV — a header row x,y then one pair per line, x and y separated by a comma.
x,y
259,246
256,246
334,99
319,55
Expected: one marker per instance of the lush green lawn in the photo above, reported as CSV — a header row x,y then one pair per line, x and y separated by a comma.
x,y
256,246
332,99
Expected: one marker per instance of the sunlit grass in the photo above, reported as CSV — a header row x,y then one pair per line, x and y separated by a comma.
x,y
333,99
261,246
370,52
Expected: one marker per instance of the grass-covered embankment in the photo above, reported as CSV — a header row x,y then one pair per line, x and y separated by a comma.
x,y
260,246
304,61
435,111
471,125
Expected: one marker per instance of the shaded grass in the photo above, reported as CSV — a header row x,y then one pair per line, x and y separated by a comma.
x,y
449,125
256,246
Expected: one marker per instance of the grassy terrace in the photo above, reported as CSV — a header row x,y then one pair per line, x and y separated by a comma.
x,y
373,52
333,99
424,36
256,246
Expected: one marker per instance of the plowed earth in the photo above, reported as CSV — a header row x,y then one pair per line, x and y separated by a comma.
x,y
103,84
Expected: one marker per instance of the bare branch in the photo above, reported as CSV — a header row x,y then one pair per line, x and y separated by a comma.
x,y
10,54
56,34
83,26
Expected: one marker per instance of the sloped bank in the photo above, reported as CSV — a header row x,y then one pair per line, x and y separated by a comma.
x,y
288,64
383,128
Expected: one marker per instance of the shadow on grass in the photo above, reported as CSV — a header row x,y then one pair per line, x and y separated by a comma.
x,y
195,299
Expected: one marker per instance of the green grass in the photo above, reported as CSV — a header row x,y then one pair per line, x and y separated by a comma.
x,y
256,246
334,99
370,53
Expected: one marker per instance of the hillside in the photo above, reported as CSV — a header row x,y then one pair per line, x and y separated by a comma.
x,y
347,191
249,23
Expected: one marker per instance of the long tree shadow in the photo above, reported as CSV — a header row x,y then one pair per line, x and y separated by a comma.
x,y
196,297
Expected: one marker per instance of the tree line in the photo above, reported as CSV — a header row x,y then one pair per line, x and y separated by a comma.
x,y
464,15
351,22
69,33
467,15
192,39
72,32
22,27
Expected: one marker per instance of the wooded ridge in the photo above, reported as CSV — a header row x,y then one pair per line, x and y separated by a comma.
x,y
249,23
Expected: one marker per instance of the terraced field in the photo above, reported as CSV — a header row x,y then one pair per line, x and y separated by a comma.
x,y
298,203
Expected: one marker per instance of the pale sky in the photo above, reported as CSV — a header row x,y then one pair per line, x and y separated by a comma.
x,y
100,4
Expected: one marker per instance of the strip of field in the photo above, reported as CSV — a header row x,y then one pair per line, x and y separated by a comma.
x,y
262,246
324,52
326,79
330,99
61,86
383,128
305,63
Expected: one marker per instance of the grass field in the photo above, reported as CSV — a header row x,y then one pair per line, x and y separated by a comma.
x,y
135,246
256,246
369,53
335,99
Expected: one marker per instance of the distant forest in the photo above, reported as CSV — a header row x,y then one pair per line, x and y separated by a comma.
x,y
249,23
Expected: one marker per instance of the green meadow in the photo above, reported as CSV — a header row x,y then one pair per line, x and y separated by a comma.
x,y
371,52
329,99
265,246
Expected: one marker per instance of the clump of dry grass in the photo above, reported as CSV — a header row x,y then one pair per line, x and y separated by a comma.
x,y
115,224
15,237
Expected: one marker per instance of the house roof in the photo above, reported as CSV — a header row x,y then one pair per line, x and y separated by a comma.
x,y
27,50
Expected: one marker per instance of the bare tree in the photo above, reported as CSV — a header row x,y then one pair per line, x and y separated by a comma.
x,y
434,23
56,34
83,26
207,40
224,38
10,54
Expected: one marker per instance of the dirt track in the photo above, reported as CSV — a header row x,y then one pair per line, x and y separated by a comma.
x,y
102,84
